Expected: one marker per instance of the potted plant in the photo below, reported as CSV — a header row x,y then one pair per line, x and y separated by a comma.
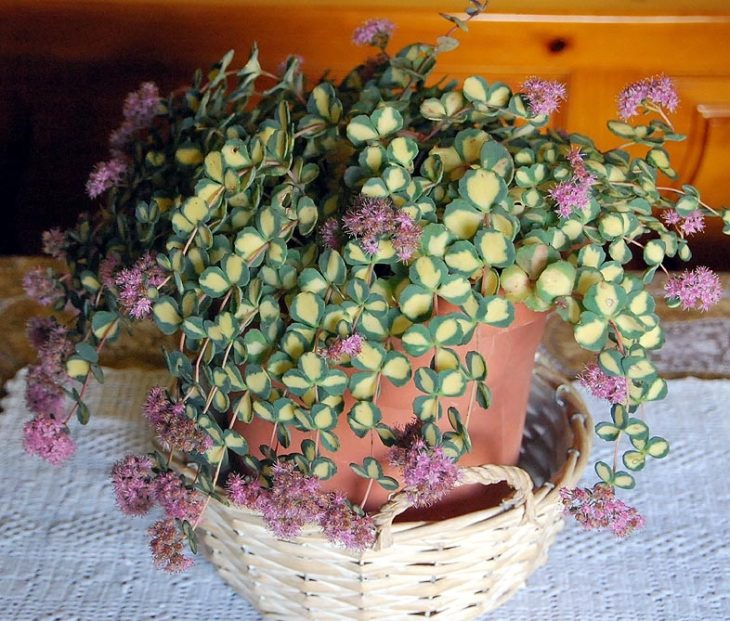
x,y
356,275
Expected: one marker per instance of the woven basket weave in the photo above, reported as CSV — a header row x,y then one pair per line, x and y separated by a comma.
x,y
455,569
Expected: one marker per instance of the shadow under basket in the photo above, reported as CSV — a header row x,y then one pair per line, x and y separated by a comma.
x,y
457,568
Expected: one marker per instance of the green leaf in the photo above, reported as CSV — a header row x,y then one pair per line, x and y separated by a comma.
x,y
87,352
556,280
482,188
363,417
105,324
323,468
307,308
591,332
214,282
235,442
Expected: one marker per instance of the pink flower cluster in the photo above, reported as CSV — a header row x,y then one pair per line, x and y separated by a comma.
x,y
172,425
295,499
133,283
140,108
658,90
373,32
106,175
688,225
371,219
137,488
699,288
598,508
166,543
543,96
132,479
54,243
330,233
41,285
575,193
48,438
603,386
339,348
46,435
428,474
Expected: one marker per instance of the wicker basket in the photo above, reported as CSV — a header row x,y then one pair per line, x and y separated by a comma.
x,y
455,569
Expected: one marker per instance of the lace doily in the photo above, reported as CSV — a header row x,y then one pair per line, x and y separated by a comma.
x,y
68,555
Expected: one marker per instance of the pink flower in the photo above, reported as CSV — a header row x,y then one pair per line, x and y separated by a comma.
x,y
133,283
599,508
292,501
330,233
107,268
132,479
54,243
243,492
40,284
167,547
699,288
406,236
543,96
374,32
141,106
574,193
176,499
658,91
428,474
48,438
38,330
341,347
688,225
343,526
371,219
44,393
105,176
172,424
603,386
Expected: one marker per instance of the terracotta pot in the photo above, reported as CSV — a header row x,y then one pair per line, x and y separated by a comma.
x,y
496,433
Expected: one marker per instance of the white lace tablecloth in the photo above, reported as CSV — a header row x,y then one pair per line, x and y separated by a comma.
x,y
66,553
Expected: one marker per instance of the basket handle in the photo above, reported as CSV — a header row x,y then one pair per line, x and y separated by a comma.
x,y
515,477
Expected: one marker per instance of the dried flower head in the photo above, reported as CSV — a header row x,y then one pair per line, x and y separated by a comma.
x,y
699,288
654,91
167,547
598,508
543,96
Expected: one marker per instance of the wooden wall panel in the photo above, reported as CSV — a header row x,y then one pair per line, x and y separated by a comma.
x,y
65,67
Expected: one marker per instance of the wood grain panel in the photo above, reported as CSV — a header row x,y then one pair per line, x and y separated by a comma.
x,y
65,67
